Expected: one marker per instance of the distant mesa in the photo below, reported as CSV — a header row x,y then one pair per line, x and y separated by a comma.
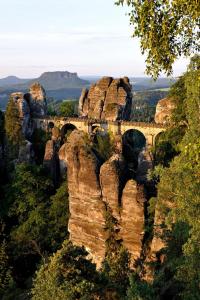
x,y
58,85
60,80
49,80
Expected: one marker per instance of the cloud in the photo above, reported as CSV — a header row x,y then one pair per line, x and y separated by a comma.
x,y
60,36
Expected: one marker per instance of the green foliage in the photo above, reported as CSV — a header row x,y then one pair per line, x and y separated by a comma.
x,y
142,112
167,145
41,218
68,108
166,29
139,290
51,110
28,196
39,140
68,275
13,127
178,95
149,224
2,121
38,219
179,195
5,271
58,216
116,266
104,145
148,96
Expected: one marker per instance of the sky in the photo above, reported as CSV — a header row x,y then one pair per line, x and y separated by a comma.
x,y
90,37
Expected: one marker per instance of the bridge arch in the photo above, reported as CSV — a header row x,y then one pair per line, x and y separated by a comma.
x,y
97,128
50,125
133,142
66,130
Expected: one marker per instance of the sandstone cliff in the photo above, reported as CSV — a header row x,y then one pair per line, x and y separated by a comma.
x,y
93,188
29,105
86,224
164,110
32,104
108,99
38,104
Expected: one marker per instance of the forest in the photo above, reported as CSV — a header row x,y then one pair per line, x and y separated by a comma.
x,y
38,260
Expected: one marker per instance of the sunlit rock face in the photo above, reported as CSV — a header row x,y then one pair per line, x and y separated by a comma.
x,y
164,110
23,105
108,99
32,104
112,181
132,218
38,102
93,189
86,224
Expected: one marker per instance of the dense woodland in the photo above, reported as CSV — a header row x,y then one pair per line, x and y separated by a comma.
x,y
37,261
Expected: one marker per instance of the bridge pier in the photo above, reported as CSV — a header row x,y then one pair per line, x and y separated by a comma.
x,y
150,140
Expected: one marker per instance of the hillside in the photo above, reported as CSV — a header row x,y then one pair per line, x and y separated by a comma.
x,y
65,85
60,85
12,80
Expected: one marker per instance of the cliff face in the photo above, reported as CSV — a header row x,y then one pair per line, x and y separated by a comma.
x,y
30,105
93,188
164,110
38,104
108,99
86,224
132,218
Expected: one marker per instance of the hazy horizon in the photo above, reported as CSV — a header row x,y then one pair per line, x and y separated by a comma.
x,y
92,38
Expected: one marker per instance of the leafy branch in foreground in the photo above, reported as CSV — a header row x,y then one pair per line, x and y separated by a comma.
x,y
167,29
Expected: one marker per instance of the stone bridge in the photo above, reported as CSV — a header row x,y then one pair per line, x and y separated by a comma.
x,y
149,130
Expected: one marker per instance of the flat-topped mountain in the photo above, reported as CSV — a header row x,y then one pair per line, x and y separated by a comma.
x,y
60,80
49,80
59,85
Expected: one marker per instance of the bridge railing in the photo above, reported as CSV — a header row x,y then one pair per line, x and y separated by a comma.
x,y
99,121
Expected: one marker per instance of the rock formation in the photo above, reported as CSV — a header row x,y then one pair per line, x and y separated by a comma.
x,y
32,104
26,153
112,181
108,99
92,189
86,224
29,105
164,110
38,102
51,160
132,218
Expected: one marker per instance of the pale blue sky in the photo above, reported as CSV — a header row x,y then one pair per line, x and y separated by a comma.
x,y
91,37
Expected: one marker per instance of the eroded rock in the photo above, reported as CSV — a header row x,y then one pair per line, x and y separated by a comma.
x,y
86,224
26,153
108,99
164,110
51,160
38,102
132,218
23,105
112,179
